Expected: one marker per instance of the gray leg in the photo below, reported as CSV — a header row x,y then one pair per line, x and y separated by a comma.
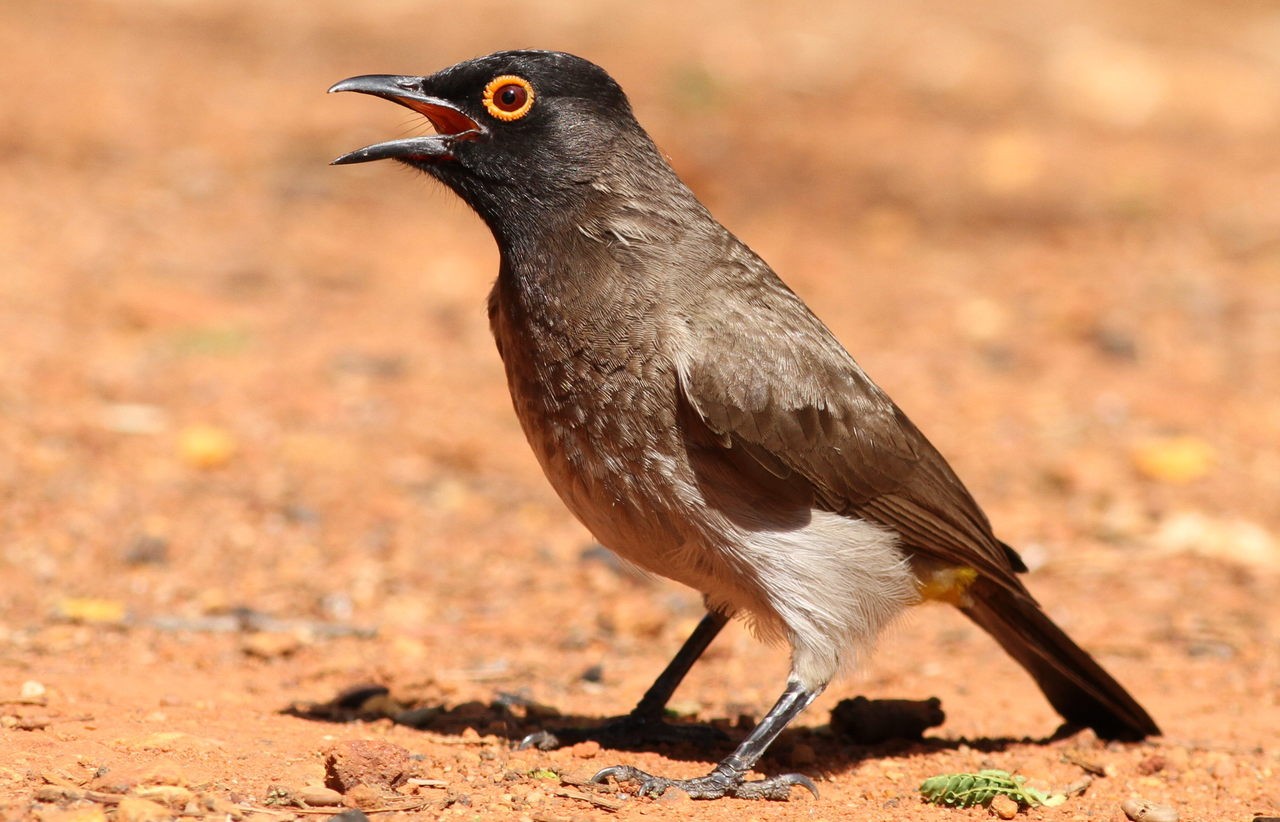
x,y
729,777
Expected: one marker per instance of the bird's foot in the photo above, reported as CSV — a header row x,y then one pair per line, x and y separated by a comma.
x,y
719,783
628,733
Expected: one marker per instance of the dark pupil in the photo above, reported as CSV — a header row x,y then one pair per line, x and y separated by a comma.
x,y
511,98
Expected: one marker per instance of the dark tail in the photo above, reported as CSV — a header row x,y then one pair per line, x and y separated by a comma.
x,y
1076,685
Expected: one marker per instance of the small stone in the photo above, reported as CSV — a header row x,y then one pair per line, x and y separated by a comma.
x,y
319,795
133,418
266,645
1143,810
205,446
366,762
1004,807
1174,460
146,549
137,809
92,611
1152,764
31,690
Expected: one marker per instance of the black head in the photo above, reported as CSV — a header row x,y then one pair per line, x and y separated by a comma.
x,y
517,132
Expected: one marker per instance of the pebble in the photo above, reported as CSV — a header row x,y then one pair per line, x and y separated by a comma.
x,y
1229,539
370,762
205,446
269,645
1004,807
91,610
32,690
320,795
1143,810
1152,764
1174,460
133,418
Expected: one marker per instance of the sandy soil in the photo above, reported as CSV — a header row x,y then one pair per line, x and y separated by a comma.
x,y
256,448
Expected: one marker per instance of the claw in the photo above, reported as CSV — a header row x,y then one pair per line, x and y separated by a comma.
x,y
620,773
714,785
542,740
775,787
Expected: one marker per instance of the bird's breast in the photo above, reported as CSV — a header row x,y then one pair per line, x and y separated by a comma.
x,y
596,396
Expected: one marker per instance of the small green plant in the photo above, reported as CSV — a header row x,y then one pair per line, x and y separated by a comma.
x,y
964,790
543,773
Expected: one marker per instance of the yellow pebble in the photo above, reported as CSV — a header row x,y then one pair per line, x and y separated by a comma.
x,y
205,446
1174,460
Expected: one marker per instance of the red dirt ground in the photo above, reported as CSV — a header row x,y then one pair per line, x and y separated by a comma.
x,y
256,448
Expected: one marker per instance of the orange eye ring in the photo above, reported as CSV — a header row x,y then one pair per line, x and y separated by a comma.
x,y
508,97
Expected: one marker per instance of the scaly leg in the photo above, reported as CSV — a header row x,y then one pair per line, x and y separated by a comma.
x,y
729,777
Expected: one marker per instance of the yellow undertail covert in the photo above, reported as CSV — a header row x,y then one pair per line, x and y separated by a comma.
x,y
950,585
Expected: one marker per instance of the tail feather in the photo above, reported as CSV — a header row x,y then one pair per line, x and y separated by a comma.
x,y
1075,684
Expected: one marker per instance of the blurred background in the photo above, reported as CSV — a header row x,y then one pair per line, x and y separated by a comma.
x,y
233,377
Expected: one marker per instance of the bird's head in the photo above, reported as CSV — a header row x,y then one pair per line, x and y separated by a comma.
x,y
518,134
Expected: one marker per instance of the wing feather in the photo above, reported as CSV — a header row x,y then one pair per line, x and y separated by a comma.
x,y
769,378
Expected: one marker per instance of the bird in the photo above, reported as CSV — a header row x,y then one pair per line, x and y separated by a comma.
x,y
699,419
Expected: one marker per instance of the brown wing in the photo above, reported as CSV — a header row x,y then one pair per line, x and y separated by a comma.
x,y
767,377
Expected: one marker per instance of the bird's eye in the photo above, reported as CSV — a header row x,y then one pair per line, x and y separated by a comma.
x,y
508,97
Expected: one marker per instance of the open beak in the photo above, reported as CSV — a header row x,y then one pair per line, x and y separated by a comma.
x,y
451,124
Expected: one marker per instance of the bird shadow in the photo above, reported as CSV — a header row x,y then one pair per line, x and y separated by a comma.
x,y
814,749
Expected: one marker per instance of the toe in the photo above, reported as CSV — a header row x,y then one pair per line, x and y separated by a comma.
x,y
777,788
619,773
